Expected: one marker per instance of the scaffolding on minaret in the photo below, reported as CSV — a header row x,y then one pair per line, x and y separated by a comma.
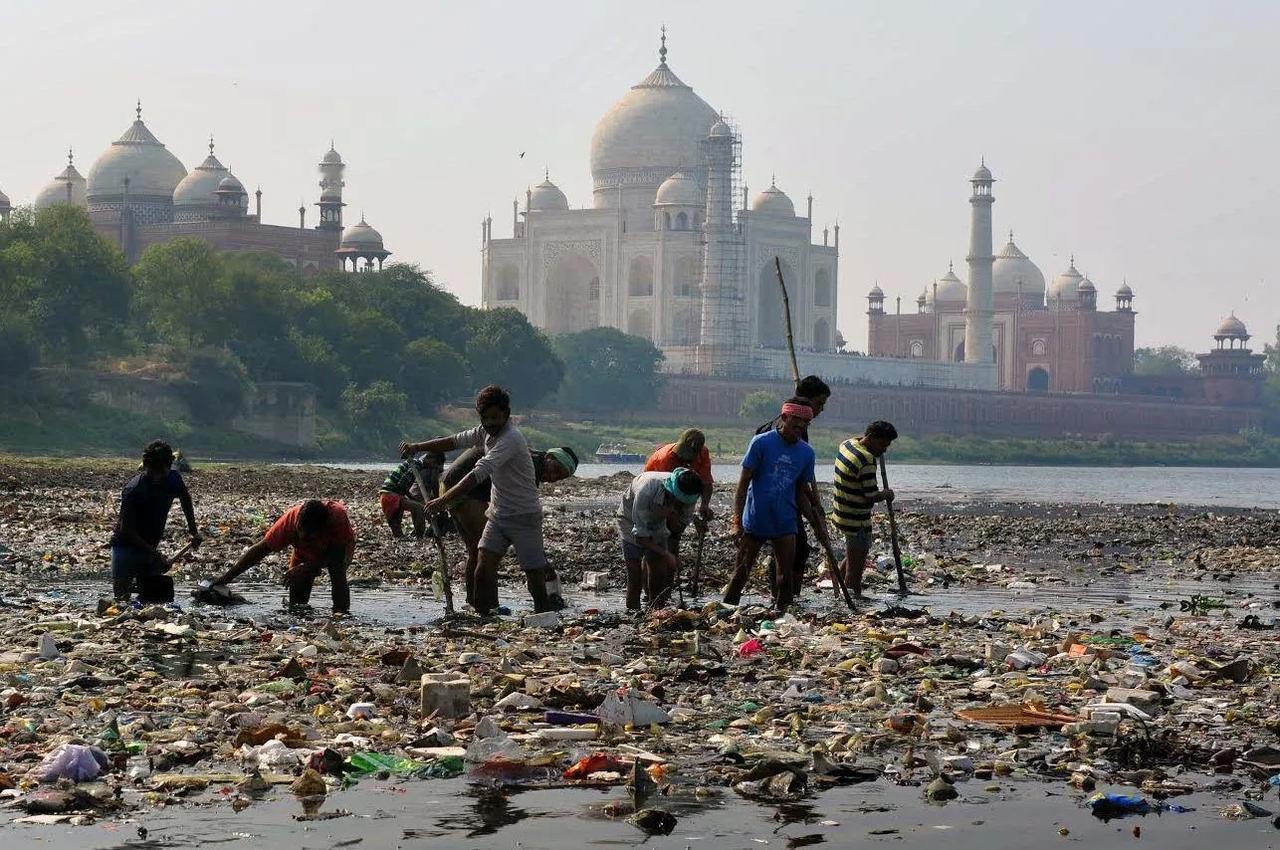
x,y
723,346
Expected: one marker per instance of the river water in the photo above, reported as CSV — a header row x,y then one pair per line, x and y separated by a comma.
x,y
1185,485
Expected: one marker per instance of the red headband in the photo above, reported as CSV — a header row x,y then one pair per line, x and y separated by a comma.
x,y
803,411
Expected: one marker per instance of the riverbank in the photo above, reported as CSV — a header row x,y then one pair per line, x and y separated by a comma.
x,y
820,727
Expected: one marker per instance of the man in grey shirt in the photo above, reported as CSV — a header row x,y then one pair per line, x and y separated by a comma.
x,y
515,511
652,499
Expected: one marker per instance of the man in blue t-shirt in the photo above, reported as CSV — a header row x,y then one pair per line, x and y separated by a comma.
x,y
773,491
144,510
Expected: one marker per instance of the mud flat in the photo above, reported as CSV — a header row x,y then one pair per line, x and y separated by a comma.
x,y
1052,655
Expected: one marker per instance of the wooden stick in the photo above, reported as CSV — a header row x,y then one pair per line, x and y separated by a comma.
x,y
837,579
786,313
893,531
416,469
697,564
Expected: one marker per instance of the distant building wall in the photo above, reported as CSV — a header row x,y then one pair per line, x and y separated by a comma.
x,y
282,411
919,411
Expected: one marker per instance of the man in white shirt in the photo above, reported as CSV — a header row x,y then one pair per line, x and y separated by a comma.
x,y
515,511
649,503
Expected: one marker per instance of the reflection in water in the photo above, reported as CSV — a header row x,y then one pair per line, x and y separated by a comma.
x,y
490,812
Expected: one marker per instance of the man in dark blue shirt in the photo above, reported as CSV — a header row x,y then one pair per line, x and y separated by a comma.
x,y
144,509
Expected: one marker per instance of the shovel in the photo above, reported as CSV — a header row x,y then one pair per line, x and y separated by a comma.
x,y
416,468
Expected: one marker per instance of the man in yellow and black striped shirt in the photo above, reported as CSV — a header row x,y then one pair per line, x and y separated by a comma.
x,y
855,492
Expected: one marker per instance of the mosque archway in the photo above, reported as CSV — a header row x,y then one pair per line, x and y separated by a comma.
x,y
682,221
640,323
508,283
640,276
821,335
770,322
822,288
1037,380
573,295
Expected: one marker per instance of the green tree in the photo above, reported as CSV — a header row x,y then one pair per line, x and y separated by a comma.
x,y
215,385
431,373
181,296
759,406
18,352
1165,360
611,370
65,282
503,348
377,409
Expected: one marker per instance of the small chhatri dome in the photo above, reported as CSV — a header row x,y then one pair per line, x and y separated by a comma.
x,y
983,174
719,129
331,157
152,171
773,201
1013,271
951,289
361,236
547,196
679,190
877,292
1066,286
1233,328
200,186
231,185
1086,285
56,191
1124,291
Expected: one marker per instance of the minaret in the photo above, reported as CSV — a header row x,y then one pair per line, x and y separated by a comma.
x,y
331,183
978,310
717,352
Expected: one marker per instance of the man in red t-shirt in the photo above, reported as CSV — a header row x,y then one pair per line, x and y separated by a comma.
x,y
689,451
322,540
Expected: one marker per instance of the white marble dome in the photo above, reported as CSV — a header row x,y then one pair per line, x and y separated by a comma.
x,y
950,290
773,201
679,190
1232,327
360,235
1086,285
231,185
1011,268
547,196
200,186
656,129
153,171
55,191
331,156
1066,286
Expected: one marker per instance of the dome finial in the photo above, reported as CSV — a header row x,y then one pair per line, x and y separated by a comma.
x,y
71,160
951,266
1010,234
662,50
211,144
546,173
138,110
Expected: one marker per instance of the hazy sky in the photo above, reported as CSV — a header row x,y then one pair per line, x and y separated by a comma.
x,y
1140,136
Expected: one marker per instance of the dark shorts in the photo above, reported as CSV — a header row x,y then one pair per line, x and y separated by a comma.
x,y
635,552
127,562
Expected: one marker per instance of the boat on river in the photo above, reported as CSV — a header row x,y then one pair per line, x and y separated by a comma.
x,y
616,453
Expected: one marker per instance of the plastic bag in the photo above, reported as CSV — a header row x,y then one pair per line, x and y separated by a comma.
x,y
73,761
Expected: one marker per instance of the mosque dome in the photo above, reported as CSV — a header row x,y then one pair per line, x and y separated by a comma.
x,y
983,173
1124,291
656,129
1232,327
1013,268
773,201
679,190
1066,286
547,196
55,191
876,292
951,289
720,129
1086,285
361,236
231,185
331,156
153,172
200,186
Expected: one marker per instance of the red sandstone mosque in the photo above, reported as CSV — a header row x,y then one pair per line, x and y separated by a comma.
x,y
139,194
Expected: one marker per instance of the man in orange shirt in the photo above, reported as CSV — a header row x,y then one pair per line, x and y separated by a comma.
x,y
689,451
321,536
